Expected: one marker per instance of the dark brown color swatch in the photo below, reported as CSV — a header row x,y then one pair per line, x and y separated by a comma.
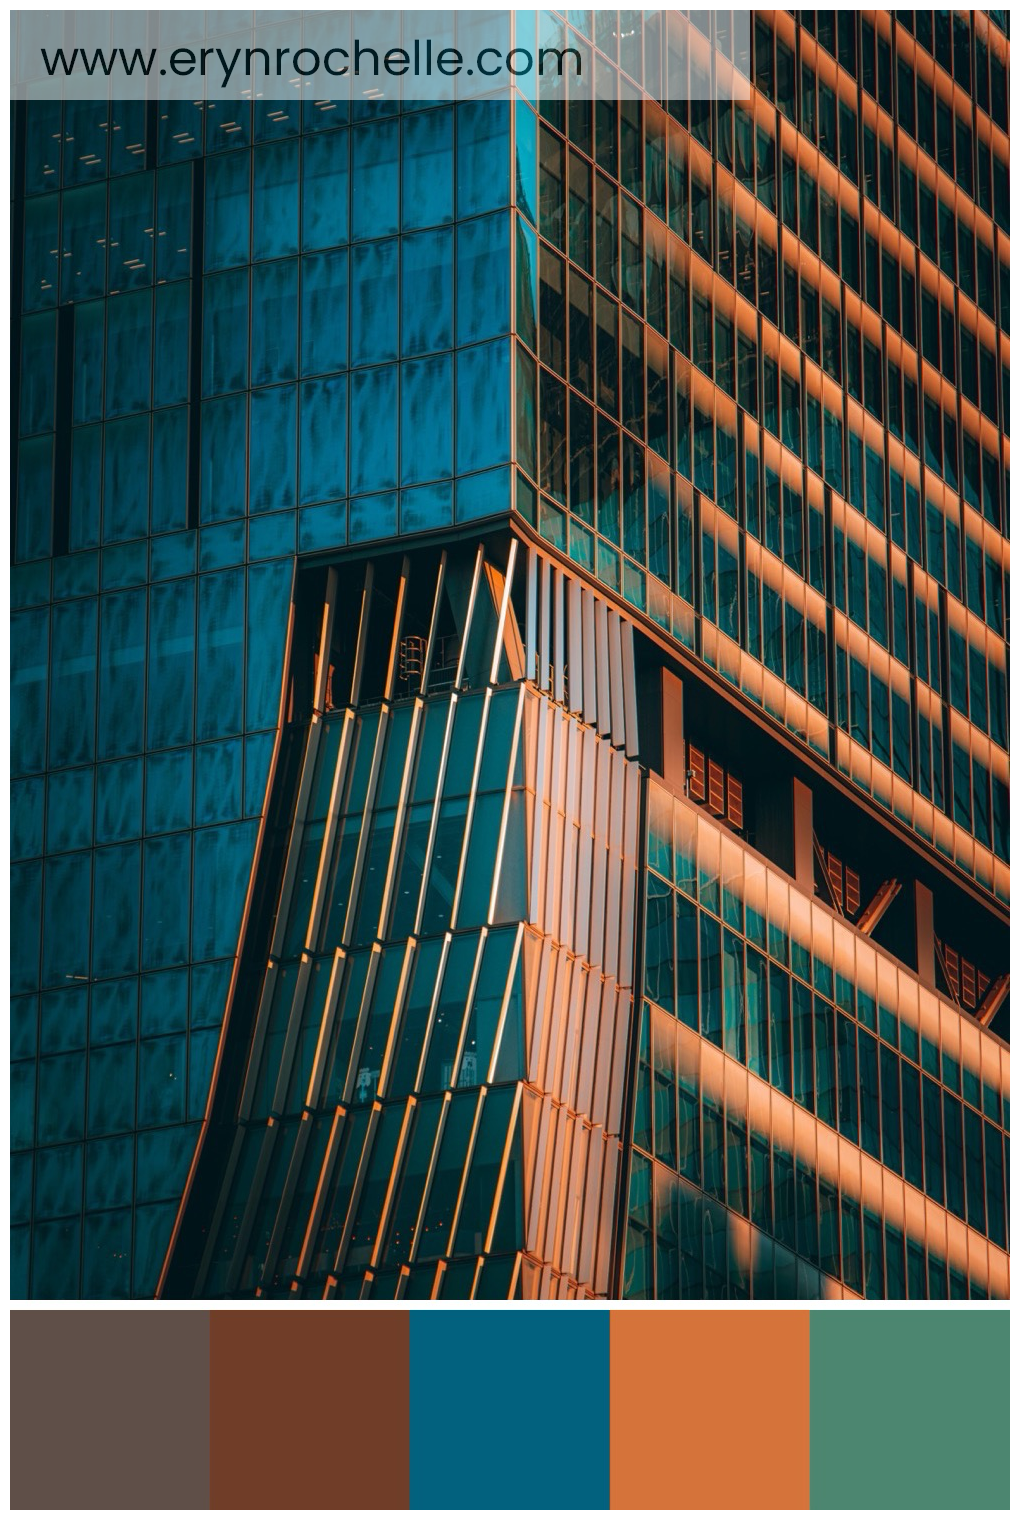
x,y
309,1409
109,1409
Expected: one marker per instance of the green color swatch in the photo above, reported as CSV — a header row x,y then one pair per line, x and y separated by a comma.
x,y
910,1410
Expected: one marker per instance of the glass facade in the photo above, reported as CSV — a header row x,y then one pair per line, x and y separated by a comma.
x,y
423,1082
237,341
429,517
766,1008
763,383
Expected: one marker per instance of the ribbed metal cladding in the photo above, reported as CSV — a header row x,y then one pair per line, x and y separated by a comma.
x,y
581,651
433,1092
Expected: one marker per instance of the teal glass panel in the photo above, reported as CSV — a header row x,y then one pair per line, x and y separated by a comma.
x,y
526,160
438,1211
689,1122
427,168
223,858
171,663
639,1264
665,1089
274,324
847,1068
736,1164
660,951
667,1236
974,1151
218,777
867,1050
324,312
483,278
477,1202
711,979
932,1140
374,312
83,271
687,961
414,1175
323,440
266,621
825,1062
374,415
784,1198
828,1228
483,406
803,1060
913,1154
684,842
853,1266
225,333
273,463
227,210
483,156
376,172
168,495
426,420
761,1181
126,457
220,646
27,813
63,1016
166,897
874,1267
734,1035
426,292
118,801
779,1030
115,911
73,683
807,1212
60,1113
953,1139
995,1184
713,1132
757,1014
642,1132
275,199
38,373
325,180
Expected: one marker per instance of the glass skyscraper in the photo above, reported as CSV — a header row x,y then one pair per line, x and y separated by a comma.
x,y
510,678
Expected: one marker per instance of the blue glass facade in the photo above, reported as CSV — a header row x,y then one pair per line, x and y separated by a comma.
x,y
238,340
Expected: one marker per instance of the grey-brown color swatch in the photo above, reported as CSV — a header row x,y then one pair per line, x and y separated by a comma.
x,y
109,1409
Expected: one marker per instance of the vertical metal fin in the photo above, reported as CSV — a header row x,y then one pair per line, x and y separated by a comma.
x,y
363,623
323,669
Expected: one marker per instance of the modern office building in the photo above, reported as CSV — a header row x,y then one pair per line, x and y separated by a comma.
x,y
509,680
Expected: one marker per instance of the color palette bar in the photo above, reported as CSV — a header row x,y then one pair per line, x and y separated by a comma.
x,y
531,1409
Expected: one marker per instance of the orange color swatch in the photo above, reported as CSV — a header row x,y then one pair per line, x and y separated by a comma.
x,y
709,1409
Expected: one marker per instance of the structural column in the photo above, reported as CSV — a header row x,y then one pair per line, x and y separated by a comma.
x,y
924,933
802,819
